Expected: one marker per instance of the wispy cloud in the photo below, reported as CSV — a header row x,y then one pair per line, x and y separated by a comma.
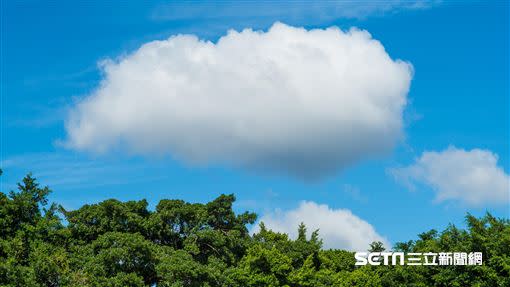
x,y
40,116
55,109
71,171
73,79
293,12
354,192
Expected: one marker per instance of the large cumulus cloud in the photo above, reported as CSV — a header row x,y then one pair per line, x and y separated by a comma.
x,y
305,103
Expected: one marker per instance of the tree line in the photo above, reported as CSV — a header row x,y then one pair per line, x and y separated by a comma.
x,y
119,244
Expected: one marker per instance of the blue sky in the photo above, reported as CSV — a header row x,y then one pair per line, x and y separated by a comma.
x,y
458,97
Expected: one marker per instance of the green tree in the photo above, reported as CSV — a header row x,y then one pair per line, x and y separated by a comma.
x,y
114,243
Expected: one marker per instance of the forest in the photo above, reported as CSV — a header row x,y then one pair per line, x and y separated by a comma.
x,y
118,244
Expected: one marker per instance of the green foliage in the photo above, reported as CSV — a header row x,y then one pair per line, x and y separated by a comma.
x,y
376,246
114,243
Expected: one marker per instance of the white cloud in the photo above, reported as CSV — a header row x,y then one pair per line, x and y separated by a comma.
x,y
288,11
290,101
338,228
471,177
70,172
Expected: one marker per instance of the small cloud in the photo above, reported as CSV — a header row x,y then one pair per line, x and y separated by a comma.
x,y
471,177
338,228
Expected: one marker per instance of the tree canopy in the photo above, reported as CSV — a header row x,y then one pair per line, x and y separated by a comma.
x,y
115,243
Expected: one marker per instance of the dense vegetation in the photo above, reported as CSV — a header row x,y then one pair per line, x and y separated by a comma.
x,y
115,243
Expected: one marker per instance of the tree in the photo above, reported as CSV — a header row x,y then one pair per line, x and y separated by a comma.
x,y
114,243
376,246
